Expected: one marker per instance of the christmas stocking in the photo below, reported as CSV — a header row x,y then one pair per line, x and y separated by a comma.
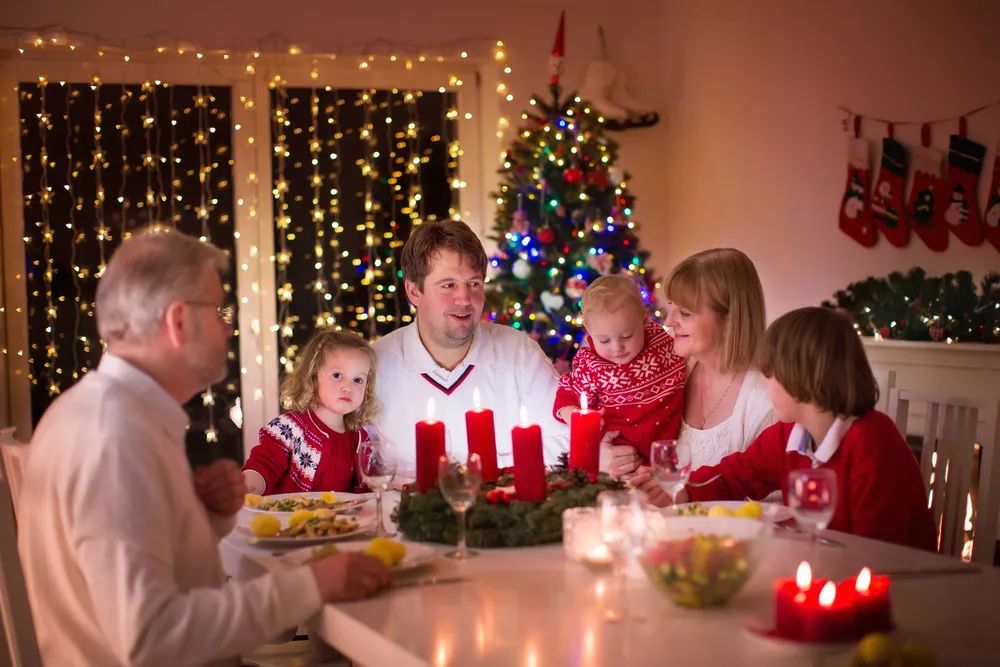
x,y
887,199
992,217
854,214
956,208
920,208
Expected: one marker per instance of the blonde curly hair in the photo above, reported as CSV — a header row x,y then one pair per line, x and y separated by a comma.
x,y
299,390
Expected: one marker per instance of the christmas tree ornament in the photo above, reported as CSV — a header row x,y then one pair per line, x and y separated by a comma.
x,y
887,198
558,53
573,176
616,174
575,287
957,209
546,235
600,262
521,269
854,210
552,302
604,87
598,178
926,186
519,223
991,221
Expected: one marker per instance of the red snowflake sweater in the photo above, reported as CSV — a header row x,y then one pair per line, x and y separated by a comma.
x,y
643,399
880,492
297,452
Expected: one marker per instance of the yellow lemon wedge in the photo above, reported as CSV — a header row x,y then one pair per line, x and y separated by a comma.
x,y
298,516
390,552
328,497
323,513
751,510
265,525
252,500
719,510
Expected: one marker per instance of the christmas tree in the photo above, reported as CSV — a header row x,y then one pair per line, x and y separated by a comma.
x,y
564,218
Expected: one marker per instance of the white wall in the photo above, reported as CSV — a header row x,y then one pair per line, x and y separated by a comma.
x,y
751,152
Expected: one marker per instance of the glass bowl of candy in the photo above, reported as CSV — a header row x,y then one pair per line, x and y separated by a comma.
x,y
701,561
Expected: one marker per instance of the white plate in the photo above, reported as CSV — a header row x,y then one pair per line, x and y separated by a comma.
x,y
361,498
417,555
291,542
773,512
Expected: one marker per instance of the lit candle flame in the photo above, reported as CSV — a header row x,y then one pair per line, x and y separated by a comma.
x,y
583,400
803,576
864,580
828,594
475,398
430,409
524,416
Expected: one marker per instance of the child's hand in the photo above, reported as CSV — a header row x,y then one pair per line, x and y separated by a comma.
x,y
567,412
643,480
618,460
220,487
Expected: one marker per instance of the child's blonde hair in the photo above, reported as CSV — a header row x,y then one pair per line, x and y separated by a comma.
x,y
299,389
817,356
726,281
609,294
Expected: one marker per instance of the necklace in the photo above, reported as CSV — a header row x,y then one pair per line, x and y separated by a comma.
x,y
706,415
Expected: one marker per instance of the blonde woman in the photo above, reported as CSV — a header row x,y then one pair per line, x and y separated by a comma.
x,y
716,316
329,396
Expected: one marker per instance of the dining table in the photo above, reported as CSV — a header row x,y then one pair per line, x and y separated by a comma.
x,y
534,607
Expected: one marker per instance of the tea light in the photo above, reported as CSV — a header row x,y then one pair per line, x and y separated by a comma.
x,y
583,537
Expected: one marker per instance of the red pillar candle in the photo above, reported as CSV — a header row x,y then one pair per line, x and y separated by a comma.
x,y
529,466
482,437
584,439
830,617
430,448
873,608
790,598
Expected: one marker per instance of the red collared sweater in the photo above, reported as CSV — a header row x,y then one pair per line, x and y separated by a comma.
x,y
880,493
297,452
643,399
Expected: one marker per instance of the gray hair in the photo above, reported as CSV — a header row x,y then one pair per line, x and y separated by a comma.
x,y
156,266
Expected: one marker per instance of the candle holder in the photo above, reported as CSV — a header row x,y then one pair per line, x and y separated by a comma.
x,y
583,539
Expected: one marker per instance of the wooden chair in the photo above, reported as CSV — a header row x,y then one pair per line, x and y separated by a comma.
x,y
19,630
962,497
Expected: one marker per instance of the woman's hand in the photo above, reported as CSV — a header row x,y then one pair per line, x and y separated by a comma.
x,y
619,461
649,487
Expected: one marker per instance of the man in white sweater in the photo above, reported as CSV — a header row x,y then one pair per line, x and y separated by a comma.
x,y
118,538
448,353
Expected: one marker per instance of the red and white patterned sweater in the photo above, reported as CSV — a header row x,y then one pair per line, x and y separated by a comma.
x,y
297,452
643,399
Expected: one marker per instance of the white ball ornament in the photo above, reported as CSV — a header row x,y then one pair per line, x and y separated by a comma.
x,y
521,269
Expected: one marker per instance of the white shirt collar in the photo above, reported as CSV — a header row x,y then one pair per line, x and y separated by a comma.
x,y
162,408
800,441
419,360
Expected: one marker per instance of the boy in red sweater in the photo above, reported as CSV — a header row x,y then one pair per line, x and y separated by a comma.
x,y
824,394
630,371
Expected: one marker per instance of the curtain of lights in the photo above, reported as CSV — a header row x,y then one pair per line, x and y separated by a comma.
x,y
101,159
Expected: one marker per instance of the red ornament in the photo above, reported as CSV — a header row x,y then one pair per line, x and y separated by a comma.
x,y
884,332
598,178
573,175
546,235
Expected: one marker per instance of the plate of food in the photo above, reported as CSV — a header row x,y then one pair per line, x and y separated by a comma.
x,y
285,505
306,527
395,555
750,509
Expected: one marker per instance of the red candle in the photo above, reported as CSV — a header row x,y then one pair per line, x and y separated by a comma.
x,y
790,597
430,448
830,617
529,466
873,608
584,439
482,437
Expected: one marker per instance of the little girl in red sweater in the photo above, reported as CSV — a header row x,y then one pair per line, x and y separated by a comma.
x,y
329,396
824,393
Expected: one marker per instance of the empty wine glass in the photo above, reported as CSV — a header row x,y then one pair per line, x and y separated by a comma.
x,y
812,497
622,527
459,483
377,465
670,464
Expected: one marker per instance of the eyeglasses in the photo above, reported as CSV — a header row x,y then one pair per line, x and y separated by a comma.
x,y
226,312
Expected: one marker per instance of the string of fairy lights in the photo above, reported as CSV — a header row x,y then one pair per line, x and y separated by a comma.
x,y
149,170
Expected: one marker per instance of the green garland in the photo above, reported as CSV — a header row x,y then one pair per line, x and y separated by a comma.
x,y
915,306
496,520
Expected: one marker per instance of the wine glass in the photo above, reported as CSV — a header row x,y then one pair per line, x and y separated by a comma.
x,y
670,464
812,497
622,527
377,465
459,483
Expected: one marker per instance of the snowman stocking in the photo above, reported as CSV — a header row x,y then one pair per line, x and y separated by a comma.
x,y
920,207
887,199
854,213
957,209
992,217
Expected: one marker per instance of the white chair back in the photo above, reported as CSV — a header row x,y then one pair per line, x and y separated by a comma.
x,y
960,499
886,381
19,630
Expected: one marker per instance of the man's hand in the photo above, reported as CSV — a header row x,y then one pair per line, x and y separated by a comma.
x,y
350,576
619,461
220,487
643,480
